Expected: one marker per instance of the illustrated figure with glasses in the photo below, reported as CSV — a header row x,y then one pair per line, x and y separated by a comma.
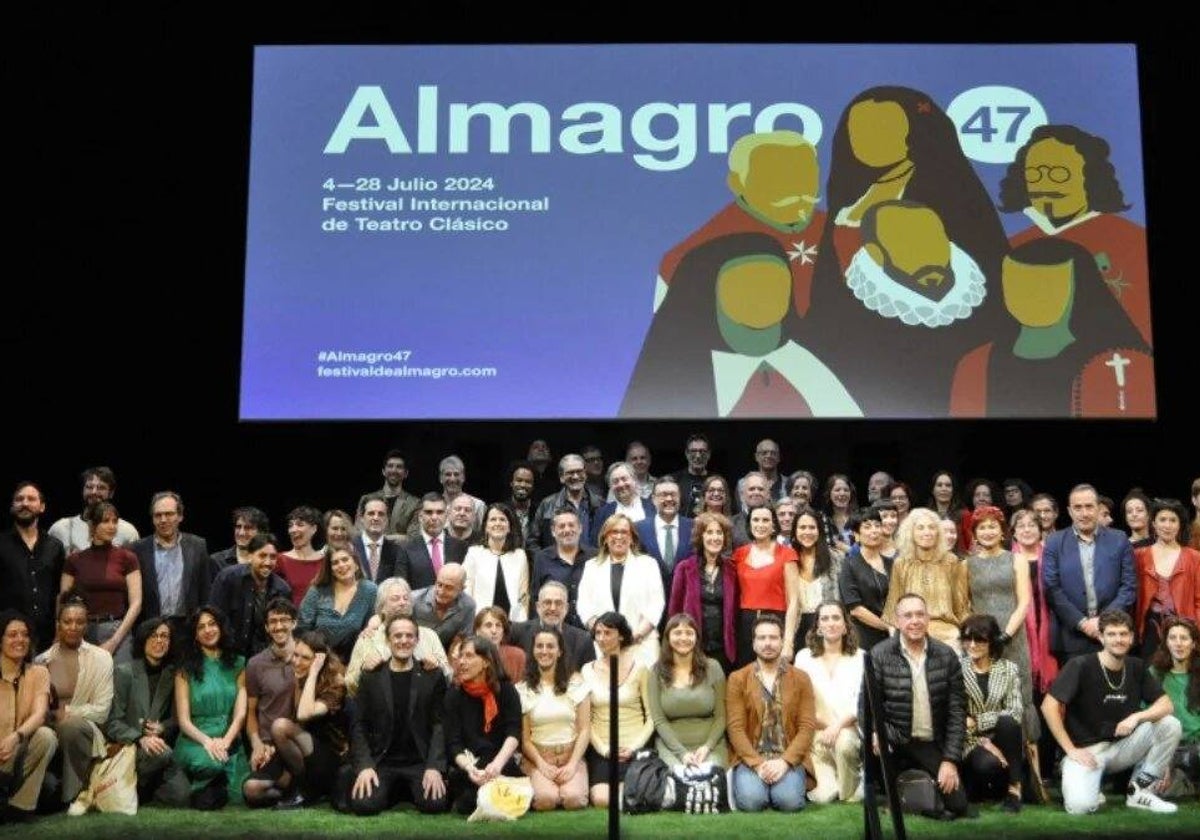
x,y
1077,352
1063,181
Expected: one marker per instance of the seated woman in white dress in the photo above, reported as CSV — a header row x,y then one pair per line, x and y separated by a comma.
x,y
834,664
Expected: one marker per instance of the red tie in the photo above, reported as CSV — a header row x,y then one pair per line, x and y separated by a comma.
x,y
768,394
435,552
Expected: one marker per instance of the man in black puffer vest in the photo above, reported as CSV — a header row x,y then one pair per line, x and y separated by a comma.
x,y
924,705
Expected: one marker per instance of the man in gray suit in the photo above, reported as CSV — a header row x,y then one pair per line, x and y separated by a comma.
x,y
175,566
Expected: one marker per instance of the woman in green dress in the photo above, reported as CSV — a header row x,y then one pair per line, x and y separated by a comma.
x,y
1176,664
687,699
210,704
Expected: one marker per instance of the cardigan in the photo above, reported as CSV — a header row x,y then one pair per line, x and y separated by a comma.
x,y
685,597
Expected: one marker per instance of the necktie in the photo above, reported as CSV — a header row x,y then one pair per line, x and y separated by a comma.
x,y
435,553
373,560
668,551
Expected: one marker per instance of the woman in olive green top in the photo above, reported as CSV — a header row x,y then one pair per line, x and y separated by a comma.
x,y
1177,664
687,699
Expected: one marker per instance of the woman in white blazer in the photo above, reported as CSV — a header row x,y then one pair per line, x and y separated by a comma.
x,y
496,566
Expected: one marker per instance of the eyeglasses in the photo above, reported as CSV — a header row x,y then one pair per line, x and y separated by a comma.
x,y
972,640
161,636
1056,174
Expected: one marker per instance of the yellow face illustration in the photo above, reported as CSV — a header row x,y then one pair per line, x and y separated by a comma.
x,y
914,241
1054,179
755,291
782,183
1037,295
878,133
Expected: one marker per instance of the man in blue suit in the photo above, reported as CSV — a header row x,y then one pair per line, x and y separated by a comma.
x,y
1087,569
626,499
666,529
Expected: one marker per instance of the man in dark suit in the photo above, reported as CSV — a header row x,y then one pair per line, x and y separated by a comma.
x,y
143,714
552,606
175,566
626,498
1087,570
397,745
666,529
426,553
375,551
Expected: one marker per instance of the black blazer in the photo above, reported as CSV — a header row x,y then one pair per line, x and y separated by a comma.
x,y
133,704
416,566
392,562
197,569
580,648
371,725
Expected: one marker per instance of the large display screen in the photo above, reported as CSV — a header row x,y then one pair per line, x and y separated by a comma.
x,y
696,231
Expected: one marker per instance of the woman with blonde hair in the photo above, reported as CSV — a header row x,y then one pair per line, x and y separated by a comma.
x,y
623,578
924,567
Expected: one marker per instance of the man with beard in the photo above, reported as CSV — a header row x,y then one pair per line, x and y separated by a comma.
x,y
270,695
771,712
575,494
31,564
243,593
1063,181
99,485
1108,714
397,746
247,522
626,499
690,479
520,483
402,505
553,604
563,561
774,177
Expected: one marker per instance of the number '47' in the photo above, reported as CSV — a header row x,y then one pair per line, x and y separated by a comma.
x,y
981,122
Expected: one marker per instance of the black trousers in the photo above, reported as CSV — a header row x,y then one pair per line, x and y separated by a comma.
x,y
396,783
983,774
927,756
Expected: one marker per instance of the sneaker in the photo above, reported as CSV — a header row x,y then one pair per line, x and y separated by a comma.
x,y
290,803
1147,800
80,806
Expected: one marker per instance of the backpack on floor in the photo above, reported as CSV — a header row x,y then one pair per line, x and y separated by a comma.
x,y
646,784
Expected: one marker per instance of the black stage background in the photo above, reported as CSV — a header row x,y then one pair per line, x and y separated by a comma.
x,y
128,138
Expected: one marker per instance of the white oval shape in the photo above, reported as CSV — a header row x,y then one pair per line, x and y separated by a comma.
x,y
993,121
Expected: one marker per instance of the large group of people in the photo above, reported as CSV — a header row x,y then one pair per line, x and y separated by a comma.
x,y
421,647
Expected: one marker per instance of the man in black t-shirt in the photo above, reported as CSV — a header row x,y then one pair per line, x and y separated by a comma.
x,y
397,746
1108,714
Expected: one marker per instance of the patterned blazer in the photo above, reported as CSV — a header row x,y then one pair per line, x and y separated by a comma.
x,y
1003,698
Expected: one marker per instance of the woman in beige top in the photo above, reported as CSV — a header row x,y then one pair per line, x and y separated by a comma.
x,y
924,567
556,726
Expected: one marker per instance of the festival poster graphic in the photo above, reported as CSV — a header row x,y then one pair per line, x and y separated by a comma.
x,y
694,231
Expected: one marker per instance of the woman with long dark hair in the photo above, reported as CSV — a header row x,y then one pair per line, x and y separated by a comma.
x,y
556,725
1176,664
834,664
818,569
339,602
768,582
497,570
1168,575
687,699
210,705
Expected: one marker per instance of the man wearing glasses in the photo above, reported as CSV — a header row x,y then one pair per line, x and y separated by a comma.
x,y
691,478
575,494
